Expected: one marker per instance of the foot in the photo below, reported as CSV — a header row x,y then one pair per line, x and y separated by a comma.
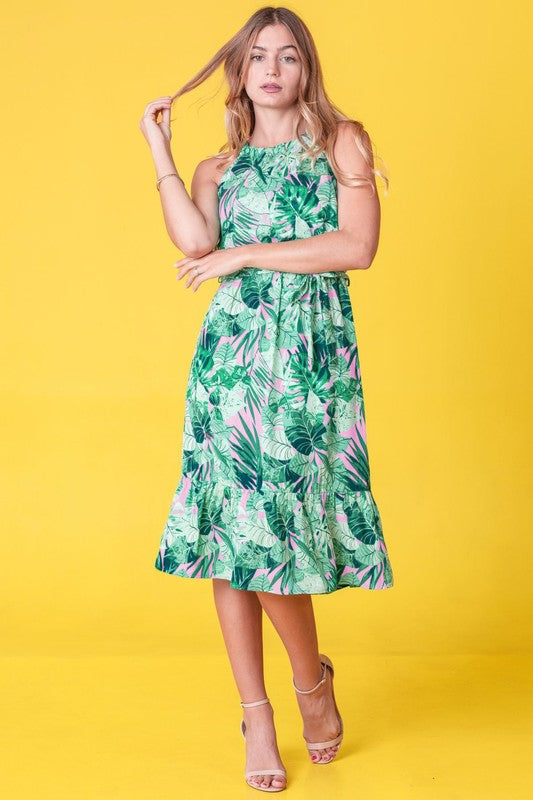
x,y
320,718
261,746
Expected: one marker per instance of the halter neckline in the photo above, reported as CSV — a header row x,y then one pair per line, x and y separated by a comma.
x,y
275,146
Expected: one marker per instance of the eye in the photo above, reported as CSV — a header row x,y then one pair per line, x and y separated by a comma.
x,y
257,55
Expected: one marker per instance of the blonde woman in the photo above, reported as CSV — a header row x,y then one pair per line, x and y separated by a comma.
x,y
274,502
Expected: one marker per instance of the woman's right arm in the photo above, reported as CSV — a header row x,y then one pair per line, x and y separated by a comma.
x,y
192,223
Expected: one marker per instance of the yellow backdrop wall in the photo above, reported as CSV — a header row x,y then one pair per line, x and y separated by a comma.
x,y
98,335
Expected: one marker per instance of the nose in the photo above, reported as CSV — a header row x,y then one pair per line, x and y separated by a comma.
x,y
272,69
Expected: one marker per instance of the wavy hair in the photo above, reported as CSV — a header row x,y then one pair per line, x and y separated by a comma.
x,y
320,114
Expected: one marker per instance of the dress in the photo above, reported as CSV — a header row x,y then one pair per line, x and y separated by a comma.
x,y
274,493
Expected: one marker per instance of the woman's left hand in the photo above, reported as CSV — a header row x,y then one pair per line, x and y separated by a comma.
x,y
218,262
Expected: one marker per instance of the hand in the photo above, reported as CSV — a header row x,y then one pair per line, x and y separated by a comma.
x,y
215,263
150,127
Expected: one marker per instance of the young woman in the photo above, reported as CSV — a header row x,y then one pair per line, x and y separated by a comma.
x,y
274,502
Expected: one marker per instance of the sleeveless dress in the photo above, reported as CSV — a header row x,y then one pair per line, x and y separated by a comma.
x,y
274,493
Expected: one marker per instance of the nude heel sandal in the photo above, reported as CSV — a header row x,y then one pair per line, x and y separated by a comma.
x,y
313,746
266,771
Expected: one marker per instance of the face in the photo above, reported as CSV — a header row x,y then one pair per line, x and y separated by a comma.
x,y
273,60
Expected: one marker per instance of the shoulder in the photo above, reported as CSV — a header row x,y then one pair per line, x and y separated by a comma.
x,y
210,170
351,142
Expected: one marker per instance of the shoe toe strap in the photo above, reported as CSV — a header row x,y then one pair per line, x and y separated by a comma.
x,y
323,745
265,771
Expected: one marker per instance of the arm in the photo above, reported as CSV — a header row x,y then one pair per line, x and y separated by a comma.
x,y
191,222
352,246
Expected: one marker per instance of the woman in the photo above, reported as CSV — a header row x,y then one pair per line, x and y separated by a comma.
x,y
274,502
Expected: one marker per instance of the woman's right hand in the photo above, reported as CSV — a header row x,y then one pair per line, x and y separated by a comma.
x,y
154,131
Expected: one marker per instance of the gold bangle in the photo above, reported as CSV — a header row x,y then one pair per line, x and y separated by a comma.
x,y
166,176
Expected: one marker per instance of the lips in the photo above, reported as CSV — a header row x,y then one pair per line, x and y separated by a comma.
x,y
271,86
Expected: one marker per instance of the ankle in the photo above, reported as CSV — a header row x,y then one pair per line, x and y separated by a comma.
x,y
258,714
306,684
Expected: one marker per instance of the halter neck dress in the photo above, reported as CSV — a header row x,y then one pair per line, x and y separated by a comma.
x,y
274,493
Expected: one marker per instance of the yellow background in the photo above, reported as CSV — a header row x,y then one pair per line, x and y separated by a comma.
x,y
115,678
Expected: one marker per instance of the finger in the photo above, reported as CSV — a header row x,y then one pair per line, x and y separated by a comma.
x,y
152,108
199,279
190,278
184,270
182,265
158,101
195,279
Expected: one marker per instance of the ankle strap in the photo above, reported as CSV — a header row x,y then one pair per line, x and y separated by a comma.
x,y
320,682
255,703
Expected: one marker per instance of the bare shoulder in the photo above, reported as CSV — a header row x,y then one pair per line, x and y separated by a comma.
x,y
211,169
348,152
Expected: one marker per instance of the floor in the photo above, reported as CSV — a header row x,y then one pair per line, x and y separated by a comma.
x,y
166,726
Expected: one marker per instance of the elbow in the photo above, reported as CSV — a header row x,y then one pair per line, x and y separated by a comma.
x,y
359,253
193,249
362,262
197,251
367,257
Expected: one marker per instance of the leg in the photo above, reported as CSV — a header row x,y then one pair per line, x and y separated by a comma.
x,y
241,618
294,620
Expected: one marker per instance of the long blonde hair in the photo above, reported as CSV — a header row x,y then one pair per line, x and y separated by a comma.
x,y
320,114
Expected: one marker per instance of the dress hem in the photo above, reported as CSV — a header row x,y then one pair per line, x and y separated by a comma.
x,y
184,574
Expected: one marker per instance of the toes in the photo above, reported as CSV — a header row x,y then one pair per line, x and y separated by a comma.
x,y
325,754
267,780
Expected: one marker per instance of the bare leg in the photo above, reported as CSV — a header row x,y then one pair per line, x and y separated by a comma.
x,y
294,620
241,619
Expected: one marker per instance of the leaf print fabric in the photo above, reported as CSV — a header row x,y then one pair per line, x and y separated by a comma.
x,y
275,491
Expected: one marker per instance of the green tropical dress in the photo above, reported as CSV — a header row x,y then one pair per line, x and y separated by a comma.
x,y
274,493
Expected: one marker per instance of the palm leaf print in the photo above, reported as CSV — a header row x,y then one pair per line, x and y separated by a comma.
x,y
275,491
246,449
301,381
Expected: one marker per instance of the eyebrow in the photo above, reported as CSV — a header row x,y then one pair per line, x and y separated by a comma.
x,y
284,47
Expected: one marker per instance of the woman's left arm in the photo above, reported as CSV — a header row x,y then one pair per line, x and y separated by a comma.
x,y
352,246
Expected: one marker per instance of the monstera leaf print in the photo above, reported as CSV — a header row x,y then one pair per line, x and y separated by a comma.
x,y
255,291
295,207
275,491
301,381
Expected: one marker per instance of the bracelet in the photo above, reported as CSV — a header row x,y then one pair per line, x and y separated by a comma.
x,y
166,176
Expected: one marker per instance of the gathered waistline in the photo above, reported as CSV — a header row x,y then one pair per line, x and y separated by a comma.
x,y
244,270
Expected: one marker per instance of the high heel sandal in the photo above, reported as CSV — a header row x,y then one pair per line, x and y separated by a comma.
x,y
313,746
267,770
